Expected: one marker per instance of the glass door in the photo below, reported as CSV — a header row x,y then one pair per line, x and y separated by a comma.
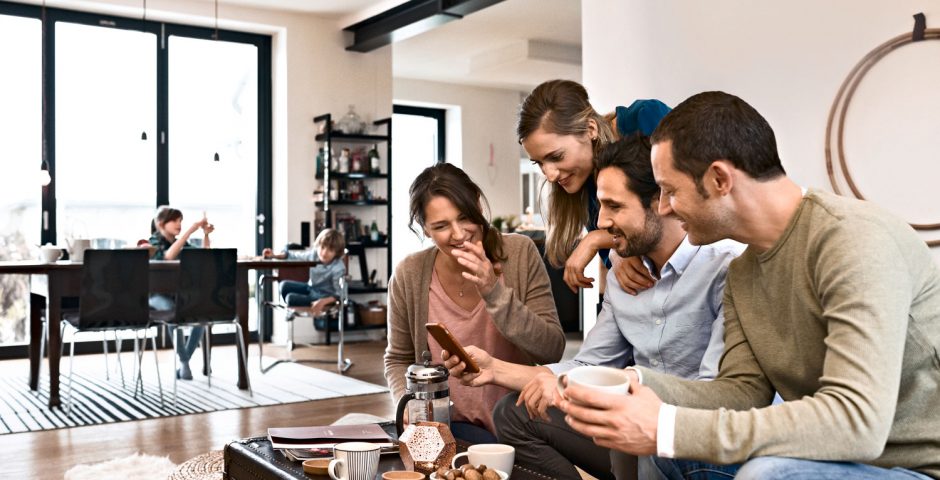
x,y
213,149
419,138
213,146
20,158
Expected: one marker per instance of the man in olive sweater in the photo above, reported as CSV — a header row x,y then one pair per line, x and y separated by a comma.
x,y
835,305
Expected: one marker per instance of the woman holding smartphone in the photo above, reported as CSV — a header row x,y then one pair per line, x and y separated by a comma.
x,y
488,289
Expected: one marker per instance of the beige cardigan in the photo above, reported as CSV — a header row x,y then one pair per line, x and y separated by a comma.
x,y
522,308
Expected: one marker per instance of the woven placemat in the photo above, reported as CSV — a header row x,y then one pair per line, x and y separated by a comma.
x,y
208,466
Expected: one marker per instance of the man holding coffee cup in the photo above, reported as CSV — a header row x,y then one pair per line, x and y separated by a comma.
x,y
674,327
835,305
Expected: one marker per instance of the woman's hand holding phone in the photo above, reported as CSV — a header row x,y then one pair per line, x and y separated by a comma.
x,y
451,345
457,369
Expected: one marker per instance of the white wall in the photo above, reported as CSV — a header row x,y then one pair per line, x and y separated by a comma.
x,y
787,59
487,120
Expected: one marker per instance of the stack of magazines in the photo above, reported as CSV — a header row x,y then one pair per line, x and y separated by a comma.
x,y
304,443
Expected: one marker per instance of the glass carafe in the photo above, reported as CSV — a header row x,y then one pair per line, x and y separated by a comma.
x,y
427,397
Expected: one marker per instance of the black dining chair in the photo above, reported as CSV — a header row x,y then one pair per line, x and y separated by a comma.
x,y
113,297
206,297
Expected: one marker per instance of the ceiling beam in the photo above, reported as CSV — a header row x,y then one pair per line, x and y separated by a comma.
x,y
409,19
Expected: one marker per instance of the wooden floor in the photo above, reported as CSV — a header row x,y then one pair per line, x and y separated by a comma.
x,y
48,454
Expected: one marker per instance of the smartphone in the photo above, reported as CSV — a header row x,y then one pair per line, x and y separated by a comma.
x,y
447,340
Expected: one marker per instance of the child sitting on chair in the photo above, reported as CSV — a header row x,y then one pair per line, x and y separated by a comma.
x,y
323,287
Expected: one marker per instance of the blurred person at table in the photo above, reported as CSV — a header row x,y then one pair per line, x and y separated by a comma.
x,y
167,240
322,288
489,289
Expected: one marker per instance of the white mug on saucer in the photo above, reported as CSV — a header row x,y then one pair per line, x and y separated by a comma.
x,y
354,461
605,379
494,455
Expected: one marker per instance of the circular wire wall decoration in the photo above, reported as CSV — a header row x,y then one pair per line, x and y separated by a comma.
x,y
835,127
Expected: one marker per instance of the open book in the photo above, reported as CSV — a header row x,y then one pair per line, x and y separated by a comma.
x,y
328,436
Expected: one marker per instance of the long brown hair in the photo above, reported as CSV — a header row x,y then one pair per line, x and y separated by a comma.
x,y
452,183
562,107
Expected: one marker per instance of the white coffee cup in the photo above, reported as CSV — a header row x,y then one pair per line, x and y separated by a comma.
x,y
605,379
493,455
50,253
354,461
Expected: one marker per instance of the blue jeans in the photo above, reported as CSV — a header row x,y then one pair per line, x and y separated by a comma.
x,y
771,468
300,294
185,350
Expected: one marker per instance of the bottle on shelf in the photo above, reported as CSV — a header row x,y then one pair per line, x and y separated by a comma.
x,y
374,232
374,159
344,161
319,170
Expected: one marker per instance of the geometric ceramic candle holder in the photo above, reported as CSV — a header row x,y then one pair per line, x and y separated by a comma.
x,y
427,446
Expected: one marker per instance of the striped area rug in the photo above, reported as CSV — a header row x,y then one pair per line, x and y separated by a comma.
x,y
97,401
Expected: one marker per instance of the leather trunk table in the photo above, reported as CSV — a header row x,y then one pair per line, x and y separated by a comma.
x,y
254,459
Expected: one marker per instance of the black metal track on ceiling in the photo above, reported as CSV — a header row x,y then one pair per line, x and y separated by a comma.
x,y
409,19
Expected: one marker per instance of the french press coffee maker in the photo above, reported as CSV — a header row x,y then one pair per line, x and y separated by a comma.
x,y
427,398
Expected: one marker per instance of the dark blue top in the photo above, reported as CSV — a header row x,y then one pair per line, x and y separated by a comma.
x,y
641,116
594,209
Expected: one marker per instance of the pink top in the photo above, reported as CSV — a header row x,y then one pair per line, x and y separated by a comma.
x,y
476,327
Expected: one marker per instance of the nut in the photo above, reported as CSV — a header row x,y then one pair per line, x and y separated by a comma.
x,y
490,474
471,474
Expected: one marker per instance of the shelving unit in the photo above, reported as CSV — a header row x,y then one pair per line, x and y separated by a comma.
x,y
372,183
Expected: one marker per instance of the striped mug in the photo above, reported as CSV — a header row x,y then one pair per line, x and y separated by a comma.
x,y
354,461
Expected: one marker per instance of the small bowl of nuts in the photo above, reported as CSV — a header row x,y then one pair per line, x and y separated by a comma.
x,y
469,472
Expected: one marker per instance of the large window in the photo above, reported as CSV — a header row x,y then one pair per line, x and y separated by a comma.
x,y
105,96
136,115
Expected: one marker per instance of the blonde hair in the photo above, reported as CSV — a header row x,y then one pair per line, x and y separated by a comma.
x,y
562,107
331,239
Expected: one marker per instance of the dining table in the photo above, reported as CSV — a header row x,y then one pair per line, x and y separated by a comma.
x,y
53,281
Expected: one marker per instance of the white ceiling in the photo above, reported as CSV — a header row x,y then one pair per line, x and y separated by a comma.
x,y
514,44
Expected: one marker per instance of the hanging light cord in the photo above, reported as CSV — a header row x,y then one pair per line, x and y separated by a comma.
x,y
216,19
43,86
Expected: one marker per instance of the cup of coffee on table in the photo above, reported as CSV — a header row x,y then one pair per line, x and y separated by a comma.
x,y
604,379
493,455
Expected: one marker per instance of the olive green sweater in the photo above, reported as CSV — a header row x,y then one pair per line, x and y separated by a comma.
x,y
842,318
522,307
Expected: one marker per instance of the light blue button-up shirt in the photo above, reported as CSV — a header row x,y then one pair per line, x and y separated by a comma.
x,y
324,278
675,327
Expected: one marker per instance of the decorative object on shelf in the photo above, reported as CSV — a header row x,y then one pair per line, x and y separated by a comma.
x,y
374,232
344,161
351,124
835,127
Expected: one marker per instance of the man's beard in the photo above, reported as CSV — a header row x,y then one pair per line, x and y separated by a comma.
x,y
642,242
